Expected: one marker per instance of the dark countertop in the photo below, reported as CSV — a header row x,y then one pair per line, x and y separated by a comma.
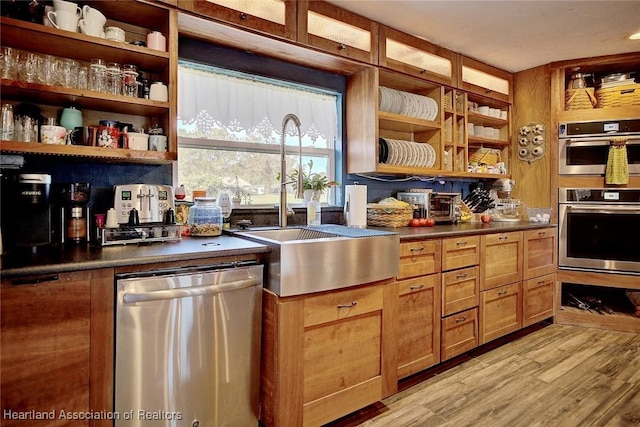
x,y
462,229
58,259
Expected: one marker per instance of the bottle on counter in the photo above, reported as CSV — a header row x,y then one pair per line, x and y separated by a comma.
x,y
225,205
313,210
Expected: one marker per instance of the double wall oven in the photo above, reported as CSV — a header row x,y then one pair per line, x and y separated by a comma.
x,y
599,229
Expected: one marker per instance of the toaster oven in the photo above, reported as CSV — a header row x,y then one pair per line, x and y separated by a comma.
x,y
442,207
150,200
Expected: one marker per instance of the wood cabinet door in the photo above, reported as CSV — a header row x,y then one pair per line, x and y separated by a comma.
x,y
419,258
416,57
458,252
337,31
537,299
500,259
45,358
460,290
459,333
540,252
277,18
342,353
418,324
500,311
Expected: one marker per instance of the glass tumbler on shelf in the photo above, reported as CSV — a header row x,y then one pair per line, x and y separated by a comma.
x,y
8,63
30,64
69,73
130,80
49,73
7,125
114,78
98,75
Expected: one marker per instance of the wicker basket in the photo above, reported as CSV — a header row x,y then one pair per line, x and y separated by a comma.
x,y
388,215
488,156
619,96
580,99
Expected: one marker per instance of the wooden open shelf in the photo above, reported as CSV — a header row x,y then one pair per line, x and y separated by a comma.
x,y
476,140
51,41
400,123
83,99
624,322
107,154
481,119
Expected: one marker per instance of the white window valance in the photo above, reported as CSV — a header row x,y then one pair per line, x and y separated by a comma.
x,y
237,103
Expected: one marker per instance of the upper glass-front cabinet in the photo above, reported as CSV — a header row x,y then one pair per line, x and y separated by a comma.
x,y
337,31
275,17
485,80
413,56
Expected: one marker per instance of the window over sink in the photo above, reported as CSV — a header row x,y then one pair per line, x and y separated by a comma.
x,y
229,132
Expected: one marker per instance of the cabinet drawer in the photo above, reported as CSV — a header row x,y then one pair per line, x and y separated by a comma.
x,y
540,252
419,258
537,299
501,259
460,252
500,311
460,290
459,333
339,305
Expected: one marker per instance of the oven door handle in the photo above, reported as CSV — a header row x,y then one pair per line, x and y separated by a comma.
x,y
596,141
603,209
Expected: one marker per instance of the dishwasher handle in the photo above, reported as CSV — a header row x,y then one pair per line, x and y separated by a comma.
x,y
132,298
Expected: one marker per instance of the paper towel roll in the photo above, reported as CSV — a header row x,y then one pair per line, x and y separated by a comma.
x,y
355,206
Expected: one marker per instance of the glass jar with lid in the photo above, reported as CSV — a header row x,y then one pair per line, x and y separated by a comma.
x,y
205,218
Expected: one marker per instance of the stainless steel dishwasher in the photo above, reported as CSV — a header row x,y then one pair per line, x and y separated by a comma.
x,y
188,346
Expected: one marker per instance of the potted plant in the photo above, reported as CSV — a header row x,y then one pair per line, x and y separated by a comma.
x,y
313,183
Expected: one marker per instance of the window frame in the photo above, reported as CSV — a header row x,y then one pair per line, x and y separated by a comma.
x,y
200,52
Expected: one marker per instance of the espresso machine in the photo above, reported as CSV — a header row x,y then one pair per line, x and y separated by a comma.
x,y
26,212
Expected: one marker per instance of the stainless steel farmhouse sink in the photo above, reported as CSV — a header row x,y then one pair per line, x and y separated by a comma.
x,y
318,258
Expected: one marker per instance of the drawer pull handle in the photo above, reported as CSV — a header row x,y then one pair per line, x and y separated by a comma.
x,y
461,243
342,46
243,16
420,249
503,238
541,233
353,304
503,293
541,282
423,71
413,288
461,275
461,319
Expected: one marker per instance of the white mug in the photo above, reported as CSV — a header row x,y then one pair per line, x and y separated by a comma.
x,y
64,20
112,219
138,141
115,34
93,14
157,142
66,6
158,92
91,28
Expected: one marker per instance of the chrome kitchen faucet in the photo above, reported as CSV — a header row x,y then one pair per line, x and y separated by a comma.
x,y
283,168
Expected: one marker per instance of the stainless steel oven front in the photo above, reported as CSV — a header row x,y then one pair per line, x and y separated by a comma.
x,y
599,229
583,147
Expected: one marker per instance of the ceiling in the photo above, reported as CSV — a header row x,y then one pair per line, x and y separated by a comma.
x,y
512,35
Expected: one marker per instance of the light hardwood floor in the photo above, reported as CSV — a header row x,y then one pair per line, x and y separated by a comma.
x,y
559,376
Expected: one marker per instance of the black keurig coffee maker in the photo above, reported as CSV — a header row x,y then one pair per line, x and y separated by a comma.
x,y
26,212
